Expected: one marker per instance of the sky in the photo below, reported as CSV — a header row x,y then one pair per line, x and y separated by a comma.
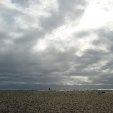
x,y
56,43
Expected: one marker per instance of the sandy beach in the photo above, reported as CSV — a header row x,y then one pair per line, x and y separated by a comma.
x,y
92,101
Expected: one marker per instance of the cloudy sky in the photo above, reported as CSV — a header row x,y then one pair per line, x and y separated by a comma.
x,y
56,42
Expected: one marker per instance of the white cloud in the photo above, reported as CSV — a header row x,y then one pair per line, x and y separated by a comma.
x,y
76,80
40,46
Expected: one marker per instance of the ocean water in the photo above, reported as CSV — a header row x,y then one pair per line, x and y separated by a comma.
x,y
55,87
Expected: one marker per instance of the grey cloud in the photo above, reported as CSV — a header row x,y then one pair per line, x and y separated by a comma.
x,y
107,38
19,60
51,22
19,64
22,3
81,65
8,16
104,74
102,78
66,9
82,34
68,6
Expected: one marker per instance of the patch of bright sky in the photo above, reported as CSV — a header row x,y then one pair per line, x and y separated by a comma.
x,y
96,66
71,80
97,14
40,46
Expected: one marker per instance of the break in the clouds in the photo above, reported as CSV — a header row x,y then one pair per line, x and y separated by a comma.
x,y
56,42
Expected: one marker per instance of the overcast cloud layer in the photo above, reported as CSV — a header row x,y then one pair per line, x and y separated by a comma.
x,y
56,42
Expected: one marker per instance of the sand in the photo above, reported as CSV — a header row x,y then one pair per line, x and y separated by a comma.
x,y
56,101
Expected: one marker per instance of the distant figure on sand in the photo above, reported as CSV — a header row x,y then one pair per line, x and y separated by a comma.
x,y
49,89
